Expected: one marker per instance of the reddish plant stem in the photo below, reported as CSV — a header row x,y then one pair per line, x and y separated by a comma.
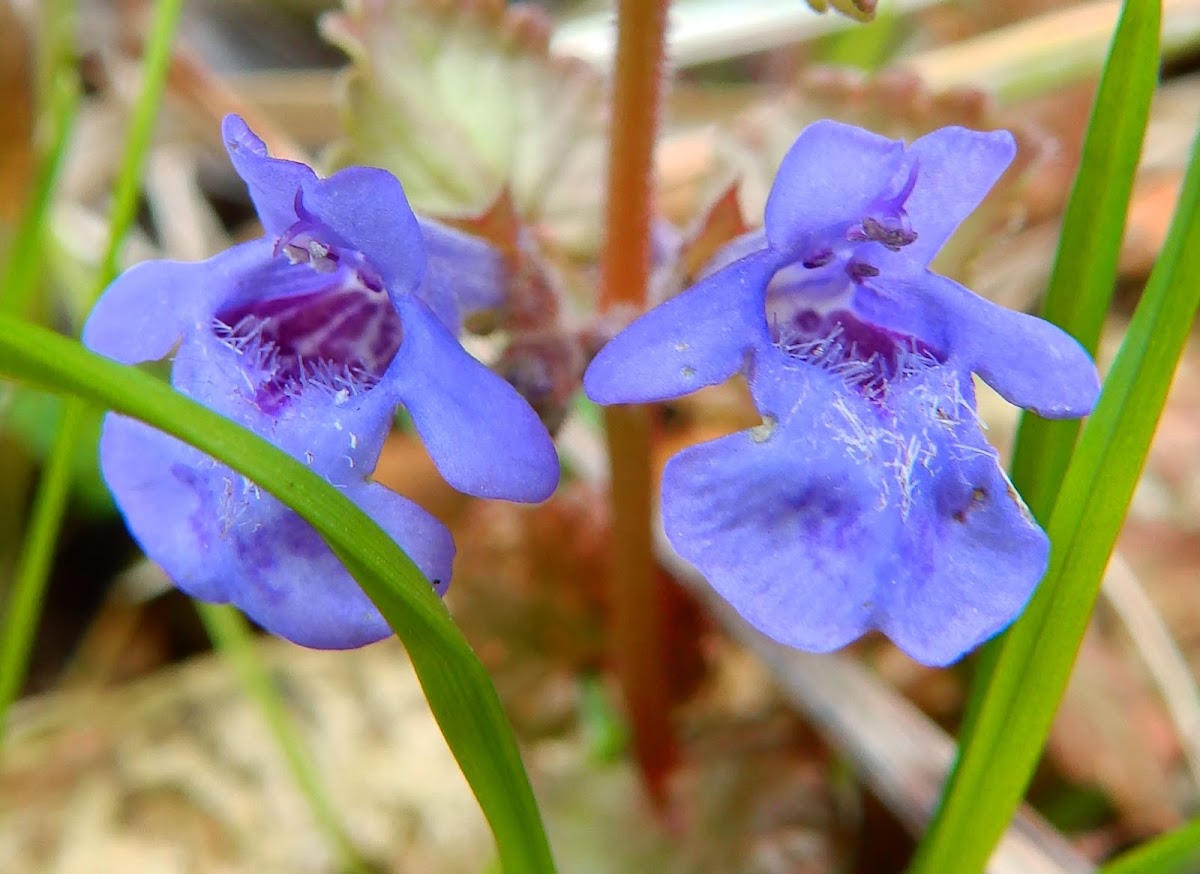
x,y
638,632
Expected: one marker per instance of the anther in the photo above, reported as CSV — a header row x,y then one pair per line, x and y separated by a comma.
x,y
818,259
873,230
860,271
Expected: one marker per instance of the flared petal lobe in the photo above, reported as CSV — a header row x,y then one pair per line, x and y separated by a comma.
x,y
484,437
1032,363
273,182
366,207
785,526
967,554
956,168
148,308
363,207
699,338
221,539
830,176
967,562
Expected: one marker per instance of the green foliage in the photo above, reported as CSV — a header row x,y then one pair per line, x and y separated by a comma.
x,y
37,553
1001,744
460,693
1177,852
33,418
1085,267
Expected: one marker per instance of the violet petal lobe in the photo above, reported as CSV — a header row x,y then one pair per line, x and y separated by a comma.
x,y
968,554
366,207
338,436
967,563
273,182
830,176
149,307
464,274
229,542
696,339
956,168
784,526
1032,363
483,436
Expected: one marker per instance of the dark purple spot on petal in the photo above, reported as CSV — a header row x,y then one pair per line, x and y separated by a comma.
x,y
979,495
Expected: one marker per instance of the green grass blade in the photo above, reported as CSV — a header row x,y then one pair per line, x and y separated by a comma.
x,y
19,621
1085,266
53,492
1176,852
230,634
460,693
1035,658
17,279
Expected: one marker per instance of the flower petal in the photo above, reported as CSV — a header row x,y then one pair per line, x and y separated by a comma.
x,y
167,504
483,436
956,168
464,274
273,182
697,339
221,539
786,526
338,434
968,555
830,175
295,587
148,308
364,207
1032,363
367,209
1029,361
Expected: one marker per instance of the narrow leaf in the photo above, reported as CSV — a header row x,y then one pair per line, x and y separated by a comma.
x,y
1176,852
1085,267
460,693
1035,658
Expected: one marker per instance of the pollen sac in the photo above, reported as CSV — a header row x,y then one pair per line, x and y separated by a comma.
x,y
868,499
311,336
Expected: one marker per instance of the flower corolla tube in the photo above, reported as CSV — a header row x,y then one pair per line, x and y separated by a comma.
x,y
310,336
867,498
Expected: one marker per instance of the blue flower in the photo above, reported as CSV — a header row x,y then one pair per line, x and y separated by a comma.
x,y
310,337
867,498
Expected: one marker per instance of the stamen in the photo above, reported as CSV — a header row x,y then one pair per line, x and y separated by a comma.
x,y
818,259
860,271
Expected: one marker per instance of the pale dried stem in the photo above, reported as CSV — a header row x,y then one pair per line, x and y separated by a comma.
x,y
1158,650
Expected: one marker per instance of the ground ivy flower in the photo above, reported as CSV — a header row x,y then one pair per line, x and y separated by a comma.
x,y
311,336
868,497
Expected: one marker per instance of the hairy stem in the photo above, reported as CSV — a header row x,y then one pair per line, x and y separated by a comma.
x,y
637,630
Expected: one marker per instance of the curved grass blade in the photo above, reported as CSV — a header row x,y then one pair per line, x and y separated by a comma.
x,y
1035,658
460,693
1176,852
1085,266
53,491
